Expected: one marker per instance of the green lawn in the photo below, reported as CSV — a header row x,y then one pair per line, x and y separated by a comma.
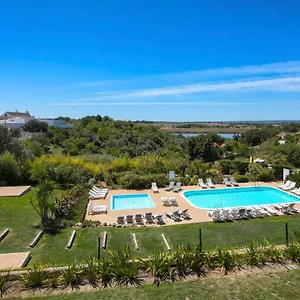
x,y
18,215
283,285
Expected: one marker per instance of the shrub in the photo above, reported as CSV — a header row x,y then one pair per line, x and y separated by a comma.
x,y
159,266
125,270
241,178
4,278
266,175
130,180
72,276
35,276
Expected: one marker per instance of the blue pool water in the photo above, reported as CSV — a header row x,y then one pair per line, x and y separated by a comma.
x,y
233,197
132,201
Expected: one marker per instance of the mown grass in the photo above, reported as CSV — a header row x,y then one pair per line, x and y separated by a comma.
x,y
284,285
18,215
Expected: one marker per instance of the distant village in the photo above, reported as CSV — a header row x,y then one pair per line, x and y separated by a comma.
x,y
18,119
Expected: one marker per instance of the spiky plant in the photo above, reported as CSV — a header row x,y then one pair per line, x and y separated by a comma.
x,y
254,255
292,252
35,276
273,253
159,266
105,274
4,278
197,262
91,271
124,268
181,261
72,276
228,261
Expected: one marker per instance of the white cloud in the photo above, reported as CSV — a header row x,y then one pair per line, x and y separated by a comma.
x,y
288,84
149,103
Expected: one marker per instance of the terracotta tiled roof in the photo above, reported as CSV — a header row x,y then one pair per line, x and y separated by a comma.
x,y
18,114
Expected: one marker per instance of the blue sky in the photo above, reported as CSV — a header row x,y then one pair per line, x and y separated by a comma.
x,y
152,60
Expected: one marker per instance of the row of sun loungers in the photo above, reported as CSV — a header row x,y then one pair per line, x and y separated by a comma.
x,y
97,193
290,186
174,187
169,201
258,211
141,219
153,218
230,182
208,183
178,215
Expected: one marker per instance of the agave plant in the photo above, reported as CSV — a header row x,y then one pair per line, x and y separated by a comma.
x,y
180,259
4,278
125,269
254,256
91,271
159,266
35,276
105,274
197,262
72,276
228,260
273,253
54,280
292,252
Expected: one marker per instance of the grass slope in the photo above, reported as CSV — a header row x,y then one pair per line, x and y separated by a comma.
x,y
18,215
284,285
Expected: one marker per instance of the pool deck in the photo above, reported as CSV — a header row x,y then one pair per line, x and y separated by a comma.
x,y
197,214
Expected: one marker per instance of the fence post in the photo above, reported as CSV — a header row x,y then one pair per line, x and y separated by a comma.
x,y
200,239
99,246
286,233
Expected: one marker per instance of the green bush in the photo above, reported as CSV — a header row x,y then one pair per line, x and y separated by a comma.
x,y
266,175
241,178
295,177
130,180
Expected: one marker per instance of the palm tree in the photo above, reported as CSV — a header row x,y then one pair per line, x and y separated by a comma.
x,y
44,201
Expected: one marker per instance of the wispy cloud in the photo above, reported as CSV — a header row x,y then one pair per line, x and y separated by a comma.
x,y
283,77
97,83
288,84
148,103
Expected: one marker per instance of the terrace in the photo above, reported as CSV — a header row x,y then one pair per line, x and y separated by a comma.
x,y
197,215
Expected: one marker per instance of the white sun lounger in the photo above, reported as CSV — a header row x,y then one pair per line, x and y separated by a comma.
x,y
173,202
93,209
177,187
210,183
96,189
271,210
226,182
94,195
233,181
285,184
165,201
290,187
296,190
201,183
170,186
154,187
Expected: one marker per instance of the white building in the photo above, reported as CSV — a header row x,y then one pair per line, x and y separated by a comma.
x,y
15,119
56,123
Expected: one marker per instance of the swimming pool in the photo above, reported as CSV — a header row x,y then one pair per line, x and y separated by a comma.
x,y
233,197
131,201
